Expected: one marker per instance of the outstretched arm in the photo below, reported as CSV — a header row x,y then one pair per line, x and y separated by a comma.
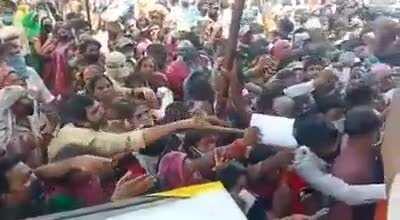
x,y
310,167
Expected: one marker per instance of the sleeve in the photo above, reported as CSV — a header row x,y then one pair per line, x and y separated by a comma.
x,y
34,81
300,89
108,144
310,168
100,143
9,95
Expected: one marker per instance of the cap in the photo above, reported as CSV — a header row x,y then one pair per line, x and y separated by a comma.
x,y
115,57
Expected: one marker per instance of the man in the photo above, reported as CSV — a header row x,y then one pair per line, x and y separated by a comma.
x,y
21,192
14,58
295,195
89,54
24,192
85,116
20,125
358,162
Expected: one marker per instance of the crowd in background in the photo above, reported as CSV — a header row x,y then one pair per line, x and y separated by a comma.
x,y
132,97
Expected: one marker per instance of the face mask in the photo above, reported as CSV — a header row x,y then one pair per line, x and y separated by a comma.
x,y
17,62
339,125
8,19
118,73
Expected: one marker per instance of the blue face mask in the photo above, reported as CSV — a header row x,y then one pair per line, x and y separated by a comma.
x,y
7,18
17,62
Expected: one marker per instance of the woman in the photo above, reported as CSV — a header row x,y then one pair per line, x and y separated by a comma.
x,y
56,73
146,76
84,78
101,89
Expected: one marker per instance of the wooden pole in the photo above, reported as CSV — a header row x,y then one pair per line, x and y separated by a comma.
x,y
222,90
88,15
234,28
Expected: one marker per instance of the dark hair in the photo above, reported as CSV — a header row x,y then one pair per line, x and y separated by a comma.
x,y
159,53
285,26
314,131
257,48
123,108
6,164
193,38
167,143
92,83
198,87
191,139
74,109
176,111
78,23
73,15
141,61
359,94
361,120
328,102
312,61
86,42
230,174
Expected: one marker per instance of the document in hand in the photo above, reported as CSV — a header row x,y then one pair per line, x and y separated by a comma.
x,y
276,131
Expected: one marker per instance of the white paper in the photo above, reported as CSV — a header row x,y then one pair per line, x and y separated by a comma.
x,y
276,131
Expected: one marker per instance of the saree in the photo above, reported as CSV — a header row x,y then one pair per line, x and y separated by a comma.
x,y
56,73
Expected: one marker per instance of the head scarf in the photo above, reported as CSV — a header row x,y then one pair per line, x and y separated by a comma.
x,y
31,25
176,74
116,65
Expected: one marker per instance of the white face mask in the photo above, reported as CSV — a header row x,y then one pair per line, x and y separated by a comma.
x,y
339,124
118,73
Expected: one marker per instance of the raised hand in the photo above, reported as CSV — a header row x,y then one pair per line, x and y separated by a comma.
x,y
128,187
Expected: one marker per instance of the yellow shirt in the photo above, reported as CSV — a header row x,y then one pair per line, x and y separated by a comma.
x,y
101,143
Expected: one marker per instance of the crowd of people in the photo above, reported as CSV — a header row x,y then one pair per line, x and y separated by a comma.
x,y
140,98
